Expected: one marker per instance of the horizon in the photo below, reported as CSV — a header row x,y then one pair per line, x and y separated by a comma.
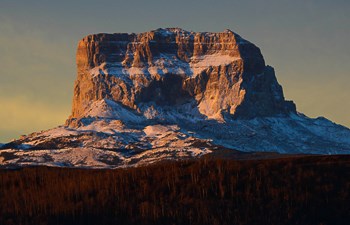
x,y
38,41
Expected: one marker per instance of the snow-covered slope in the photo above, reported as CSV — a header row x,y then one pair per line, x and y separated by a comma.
x,y
106,142
173,94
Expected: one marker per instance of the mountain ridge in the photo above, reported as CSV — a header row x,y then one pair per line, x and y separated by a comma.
x,y
173,94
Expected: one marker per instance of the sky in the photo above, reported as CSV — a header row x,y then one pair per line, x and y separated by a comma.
x,y
306,41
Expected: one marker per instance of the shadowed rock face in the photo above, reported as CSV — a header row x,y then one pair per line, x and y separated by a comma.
x,y
222,73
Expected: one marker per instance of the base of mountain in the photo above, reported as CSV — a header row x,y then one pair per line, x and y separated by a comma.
x,y
214,189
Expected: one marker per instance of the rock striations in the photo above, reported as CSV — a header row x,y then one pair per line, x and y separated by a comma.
x,y
220,73
173,94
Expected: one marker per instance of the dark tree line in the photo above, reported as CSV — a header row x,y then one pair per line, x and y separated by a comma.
x,y
301,190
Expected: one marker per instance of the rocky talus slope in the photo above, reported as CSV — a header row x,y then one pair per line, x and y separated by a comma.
x,y
173,94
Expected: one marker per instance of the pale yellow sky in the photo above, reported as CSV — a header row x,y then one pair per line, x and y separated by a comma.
x,y
307,42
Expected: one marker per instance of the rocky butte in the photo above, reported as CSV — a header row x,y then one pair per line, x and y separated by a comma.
x,y
172,94
220,73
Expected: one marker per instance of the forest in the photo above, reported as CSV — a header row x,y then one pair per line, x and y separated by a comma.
x,y
211,190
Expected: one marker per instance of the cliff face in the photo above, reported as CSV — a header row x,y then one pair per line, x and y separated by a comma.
x,y
222,73
172,94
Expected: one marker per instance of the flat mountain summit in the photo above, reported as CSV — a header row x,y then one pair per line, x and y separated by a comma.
x,y
217,73
173,94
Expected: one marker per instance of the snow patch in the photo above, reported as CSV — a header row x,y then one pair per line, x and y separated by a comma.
x,y
198,64
165,64
106,108
156,130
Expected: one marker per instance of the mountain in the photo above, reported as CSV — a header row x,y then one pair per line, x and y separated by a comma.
x,y
173,94
218,72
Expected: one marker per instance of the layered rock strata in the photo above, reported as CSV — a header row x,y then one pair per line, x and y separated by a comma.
x,y
220,73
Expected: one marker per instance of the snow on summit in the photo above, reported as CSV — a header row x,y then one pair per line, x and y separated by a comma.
x,y
171,94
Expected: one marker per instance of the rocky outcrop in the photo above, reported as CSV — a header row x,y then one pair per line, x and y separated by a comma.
x,y
170,94
220,73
